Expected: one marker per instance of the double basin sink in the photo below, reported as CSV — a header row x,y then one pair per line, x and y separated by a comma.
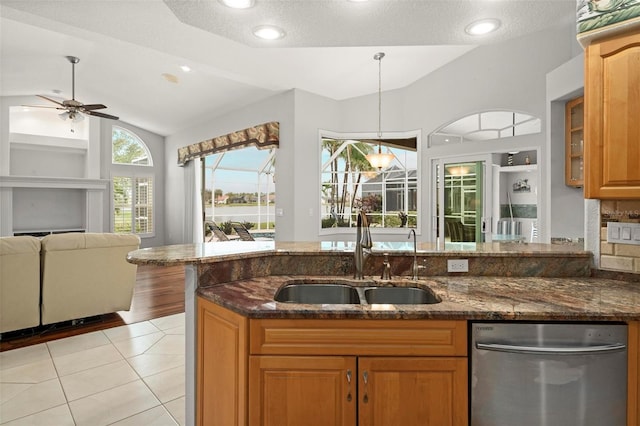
x,y
363,293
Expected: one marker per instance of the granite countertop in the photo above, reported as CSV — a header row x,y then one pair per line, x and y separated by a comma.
x,y
505,280
465,298
229,250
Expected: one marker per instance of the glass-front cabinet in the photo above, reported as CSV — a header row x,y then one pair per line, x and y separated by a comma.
x,y
574,143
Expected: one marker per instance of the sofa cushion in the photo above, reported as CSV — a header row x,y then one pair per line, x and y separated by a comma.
x,y
81,241
19,283
19,245
86,274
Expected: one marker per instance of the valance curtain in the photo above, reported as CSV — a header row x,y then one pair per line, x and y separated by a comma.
x,y
261,136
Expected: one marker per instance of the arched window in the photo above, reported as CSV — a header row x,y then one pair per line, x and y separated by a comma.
x,y
131,187
486,125
127,148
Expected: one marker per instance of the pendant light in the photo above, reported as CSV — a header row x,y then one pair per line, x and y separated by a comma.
x,y
380,160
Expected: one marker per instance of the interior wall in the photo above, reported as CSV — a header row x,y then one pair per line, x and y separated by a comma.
x,y
281,108
155,144
566,209
508,75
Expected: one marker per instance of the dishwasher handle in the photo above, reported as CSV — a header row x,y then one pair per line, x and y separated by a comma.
x,y
551,350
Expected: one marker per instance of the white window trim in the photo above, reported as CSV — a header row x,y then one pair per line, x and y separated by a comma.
x,y
371,135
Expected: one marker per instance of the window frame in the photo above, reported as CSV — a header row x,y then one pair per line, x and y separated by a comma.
x,y
133,177
340,231
133,171
140,142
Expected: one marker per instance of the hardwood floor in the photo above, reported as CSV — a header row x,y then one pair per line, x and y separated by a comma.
x,y
159,291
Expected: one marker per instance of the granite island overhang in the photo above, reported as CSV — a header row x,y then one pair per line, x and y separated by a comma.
x,y
504,281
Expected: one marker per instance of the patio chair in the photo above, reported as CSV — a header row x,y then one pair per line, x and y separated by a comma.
x,y
211,229
242,232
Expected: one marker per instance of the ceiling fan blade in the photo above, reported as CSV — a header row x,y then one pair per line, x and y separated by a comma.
x,y
103,115
91,107
50,100
42,106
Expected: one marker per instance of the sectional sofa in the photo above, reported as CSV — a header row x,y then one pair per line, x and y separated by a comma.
x,y
64,277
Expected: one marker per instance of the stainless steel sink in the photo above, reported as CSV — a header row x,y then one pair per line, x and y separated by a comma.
x,y
318,293
401,295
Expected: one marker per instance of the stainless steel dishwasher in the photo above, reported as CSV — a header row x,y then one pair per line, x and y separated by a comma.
x,y
548,374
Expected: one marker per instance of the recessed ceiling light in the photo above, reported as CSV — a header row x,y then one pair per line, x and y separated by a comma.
x,y
483,26
268,32
238,4
185,68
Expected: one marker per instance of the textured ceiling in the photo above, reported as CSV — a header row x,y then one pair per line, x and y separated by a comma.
x,y
125,46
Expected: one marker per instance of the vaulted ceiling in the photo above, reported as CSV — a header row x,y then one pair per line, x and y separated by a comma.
x,y
127,48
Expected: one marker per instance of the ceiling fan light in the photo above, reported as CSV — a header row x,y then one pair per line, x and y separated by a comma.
x,y
63,116
76,117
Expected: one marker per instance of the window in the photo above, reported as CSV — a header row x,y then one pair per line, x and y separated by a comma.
x,y
349,183
239,186
485,125
133,205
127,148
132,191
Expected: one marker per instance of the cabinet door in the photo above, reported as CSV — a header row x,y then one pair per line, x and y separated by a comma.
x,y
412,391
302,390
221,375
574,143
612,125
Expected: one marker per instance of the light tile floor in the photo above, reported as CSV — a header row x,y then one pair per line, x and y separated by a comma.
x,y
129,375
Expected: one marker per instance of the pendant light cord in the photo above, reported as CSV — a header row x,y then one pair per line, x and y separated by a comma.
x,y
378,56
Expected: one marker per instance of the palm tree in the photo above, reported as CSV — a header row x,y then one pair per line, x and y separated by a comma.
x,y
353,155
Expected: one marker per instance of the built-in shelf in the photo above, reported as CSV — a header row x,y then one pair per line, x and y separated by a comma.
x,y
52,182
518,169
26,141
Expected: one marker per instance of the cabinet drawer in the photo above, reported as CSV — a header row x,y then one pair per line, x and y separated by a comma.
x,y
358,337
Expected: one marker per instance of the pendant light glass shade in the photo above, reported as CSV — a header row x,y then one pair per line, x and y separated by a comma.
x,y
380,160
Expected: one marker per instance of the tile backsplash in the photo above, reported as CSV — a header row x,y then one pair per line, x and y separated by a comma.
x,y
619,257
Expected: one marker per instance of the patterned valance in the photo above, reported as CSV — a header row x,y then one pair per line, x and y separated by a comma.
x,y
262,136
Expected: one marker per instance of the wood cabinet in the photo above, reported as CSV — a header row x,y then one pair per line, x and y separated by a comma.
x,y
302,390
428,391
612,117
322,390
329,372
574,143
221,366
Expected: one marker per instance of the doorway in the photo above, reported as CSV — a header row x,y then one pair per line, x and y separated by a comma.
x,y
462,201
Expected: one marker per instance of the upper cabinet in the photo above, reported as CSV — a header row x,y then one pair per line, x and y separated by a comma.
x,y
612,118
574,142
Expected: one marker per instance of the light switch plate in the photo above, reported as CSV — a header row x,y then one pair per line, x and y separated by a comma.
x,y
623,233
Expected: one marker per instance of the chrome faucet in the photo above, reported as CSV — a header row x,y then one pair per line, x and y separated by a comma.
x,y
363,245
414,269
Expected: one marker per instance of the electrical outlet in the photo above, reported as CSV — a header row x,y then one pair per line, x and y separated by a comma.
x,y
457,265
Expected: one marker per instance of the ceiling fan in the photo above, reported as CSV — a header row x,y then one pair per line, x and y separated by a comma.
x,y
74,109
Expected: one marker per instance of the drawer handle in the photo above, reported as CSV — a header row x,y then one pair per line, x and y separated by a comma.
x,y
365,379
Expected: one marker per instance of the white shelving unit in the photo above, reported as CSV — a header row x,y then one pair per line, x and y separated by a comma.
x,y
50,174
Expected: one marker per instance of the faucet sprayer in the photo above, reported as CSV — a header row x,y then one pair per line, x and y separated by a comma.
x,y
414,269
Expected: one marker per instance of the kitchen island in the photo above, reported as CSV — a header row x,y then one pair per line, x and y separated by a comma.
x,y
235,284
